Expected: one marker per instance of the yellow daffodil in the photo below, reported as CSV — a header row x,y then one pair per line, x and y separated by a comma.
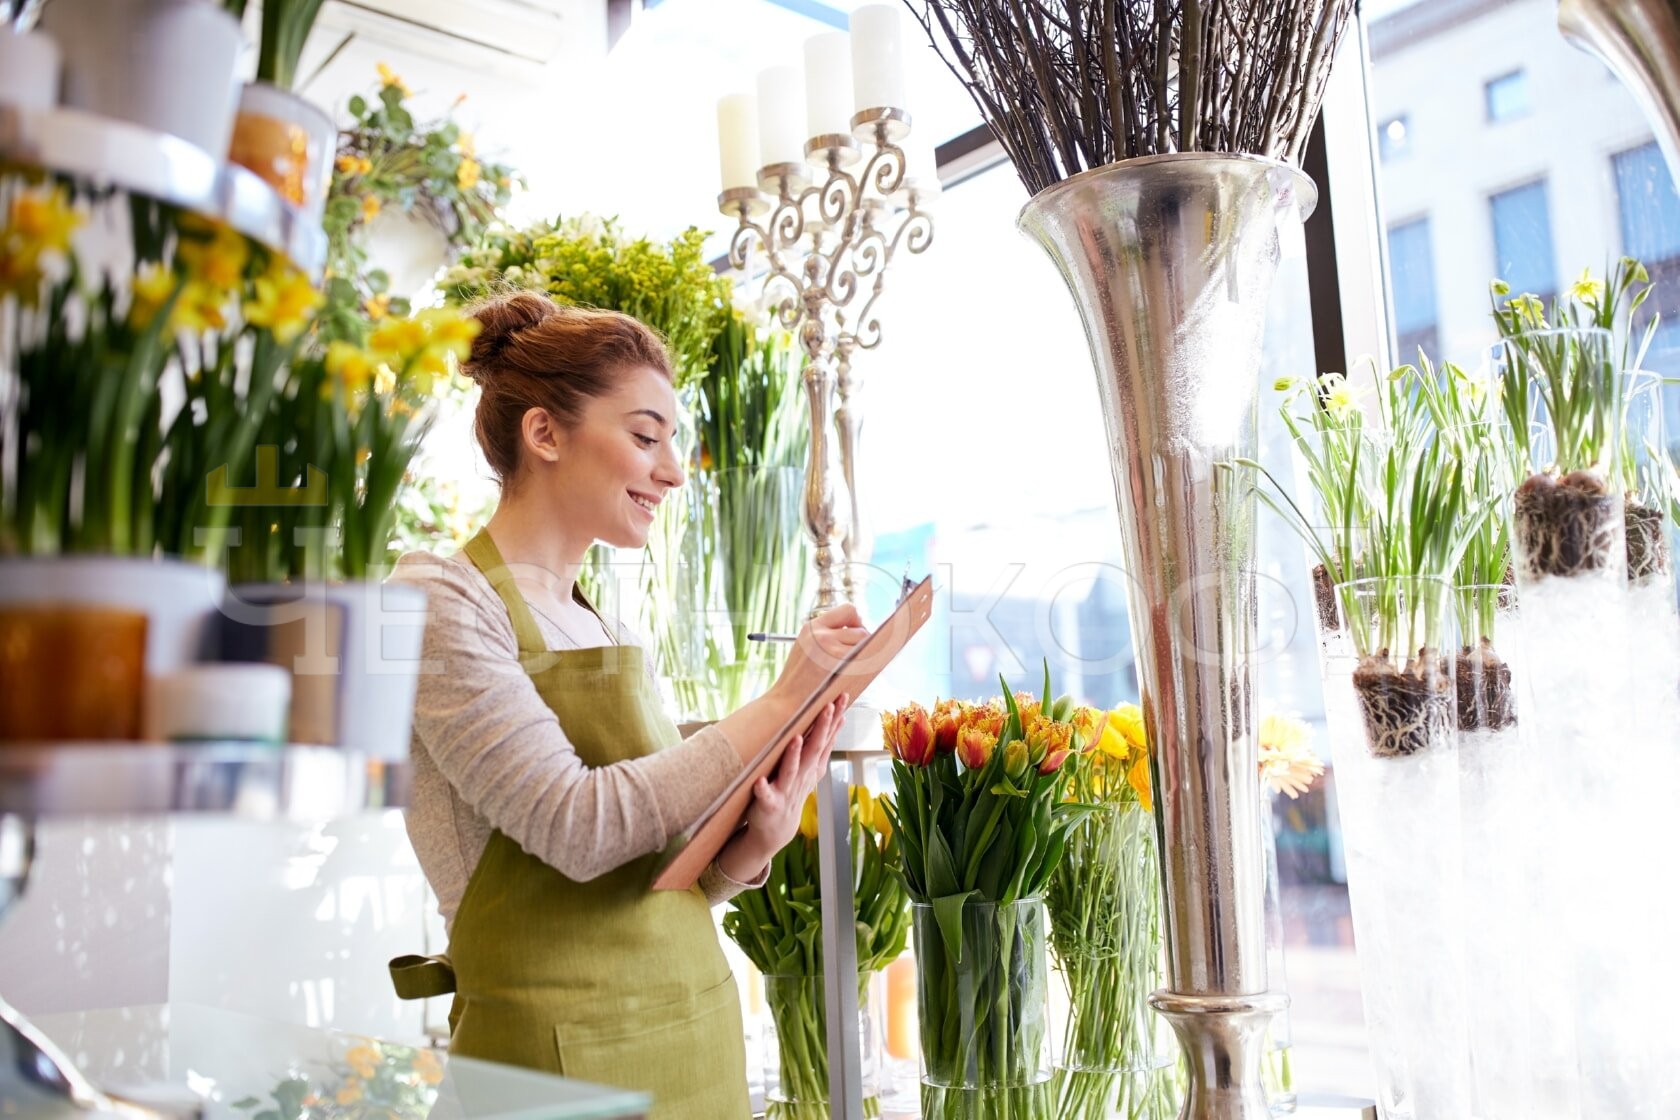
x,y
370,207
1586,289
364,1060
427,370
1287,762
466,175
41,221
385,382
808,818
353,366
389,77
284,302
377,307
200,308
350,1092
213,252
150,290
1528,309
398,340
450,331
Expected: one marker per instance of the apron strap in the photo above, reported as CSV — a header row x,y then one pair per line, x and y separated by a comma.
x,y
482,551
417,977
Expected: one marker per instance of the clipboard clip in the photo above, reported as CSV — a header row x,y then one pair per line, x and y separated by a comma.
x,y
907,585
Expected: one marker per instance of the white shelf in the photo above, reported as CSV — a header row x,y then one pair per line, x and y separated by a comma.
x,y
239,779
108,153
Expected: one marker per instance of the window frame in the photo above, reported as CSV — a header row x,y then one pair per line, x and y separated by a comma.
x,y
1488,85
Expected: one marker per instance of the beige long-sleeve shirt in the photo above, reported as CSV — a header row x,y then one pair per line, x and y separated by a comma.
x,y
489,754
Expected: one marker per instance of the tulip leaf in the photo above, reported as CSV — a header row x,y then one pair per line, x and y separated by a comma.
x,y
948,912
942,868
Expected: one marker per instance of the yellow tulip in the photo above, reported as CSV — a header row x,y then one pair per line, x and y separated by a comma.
x,y
1138,779
808,817
1128,718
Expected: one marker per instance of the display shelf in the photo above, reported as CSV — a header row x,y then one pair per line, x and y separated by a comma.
x,y
240,779
110,153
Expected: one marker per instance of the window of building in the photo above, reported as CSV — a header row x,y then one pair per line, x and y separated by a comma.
x,y
1507,96
1394,138
1522,240
1411,280
1650,207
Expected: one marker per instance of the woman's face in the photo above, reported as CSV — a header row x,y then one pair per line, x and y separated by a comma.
x,y
617,464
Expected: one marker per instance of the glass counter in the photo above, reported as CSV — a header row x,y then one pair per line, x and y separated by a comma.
x,y
181,1058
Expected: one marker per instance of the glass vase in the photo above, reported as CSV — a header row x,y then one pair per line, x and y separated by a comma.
x,y
982,1000
1398,798
1277,1068
796,1048
1104,903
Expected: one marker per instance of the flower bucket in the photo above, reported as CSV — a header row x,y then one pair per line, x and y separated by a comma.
x,y
287,142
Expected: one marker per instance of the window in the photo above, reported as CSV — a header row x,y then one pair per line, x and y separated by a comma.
x,y
1411,280
1522,240
1650,208
1507,96
1394,138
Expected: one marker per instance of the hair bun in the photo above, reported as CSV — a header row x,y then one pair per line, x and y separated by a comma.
x,y
500,318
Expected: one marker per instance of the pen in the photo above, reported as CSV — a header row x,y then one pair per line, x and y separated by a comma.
x,y
760,637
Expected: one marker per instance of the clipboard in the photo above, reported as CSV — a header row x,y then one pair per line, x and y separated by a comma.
x,y
700,844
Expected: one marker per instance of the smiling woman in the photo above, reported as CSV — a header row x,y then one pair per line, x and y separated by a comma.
x,y
547,777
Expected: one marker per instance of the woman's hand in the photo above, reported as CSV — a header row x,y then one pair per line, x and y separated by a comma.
x,y
821,644
779,798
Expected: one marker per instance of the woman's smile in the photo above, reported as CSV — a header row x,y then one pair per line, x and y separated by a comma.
x,y
644,503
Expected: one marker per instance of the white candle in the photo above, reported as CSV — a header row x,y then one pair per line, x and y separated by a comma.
x,y
781,116
921,163
737,117
828,84
878,57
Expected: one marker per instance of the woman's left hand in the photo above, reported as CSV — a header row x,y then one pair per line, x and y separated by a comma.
x,y
779,798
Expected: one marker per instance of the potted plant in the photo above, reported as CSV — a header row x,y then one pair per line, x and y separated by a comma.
x,y
105,501
287,141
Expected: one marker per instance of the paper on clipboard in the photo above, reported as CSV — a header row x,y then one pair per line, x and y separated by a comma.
x,y
707,836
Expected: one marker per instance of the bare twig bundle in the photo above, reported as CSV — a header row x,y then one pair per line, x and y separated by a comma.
x,y
1068,85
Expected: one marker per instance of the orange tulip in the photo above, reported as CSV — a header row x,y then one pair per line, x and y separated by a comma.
x,y
974,746
1053,761
1089,724
947,715
1015,760
909,735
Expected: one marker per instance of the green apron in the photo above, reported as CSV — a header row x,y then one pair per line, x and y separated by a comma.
x,y
604,981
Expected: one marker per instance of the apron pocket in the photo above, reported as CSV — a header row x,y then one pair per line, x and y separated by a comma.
x,y
689,1054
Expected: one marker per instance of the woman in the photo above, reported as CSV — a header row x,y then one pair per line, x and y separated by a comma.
x,y
547,778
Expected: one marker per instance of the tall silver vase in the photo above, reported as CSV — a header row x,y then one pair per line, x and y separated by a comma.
x,y
1171,259
1640,41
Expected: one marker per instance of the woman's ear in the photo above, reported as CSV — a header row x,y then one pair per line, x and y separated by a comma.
x,y
544,437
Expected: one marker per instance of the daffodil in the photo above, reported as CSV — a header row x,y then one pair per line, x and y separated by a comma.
x,y
1586,289
376,307
20,275
1341,397
450,331
200,308
41,221
351,365
399,340
284,301
467,174
151,288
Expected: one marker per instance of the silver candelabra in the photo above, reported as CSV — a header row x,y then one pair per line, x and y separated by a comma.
x,y
824,243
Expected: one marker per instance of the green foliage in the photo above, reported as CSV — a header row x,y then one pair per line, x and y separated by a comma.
x,y
285,30
588,262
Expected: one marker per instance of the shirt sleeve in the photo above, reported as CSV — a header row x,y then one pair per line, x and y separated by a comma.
x,y
720,888
493,738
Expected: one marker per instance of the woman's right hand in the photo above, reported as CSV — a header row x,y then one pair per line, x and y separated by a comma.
x,y
822,643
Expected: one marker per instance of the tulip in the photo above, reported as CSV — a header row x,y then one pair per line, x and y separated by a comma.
x,y
974,747
1089,724
1053,760
909,735
1015,759
808,817
1128,720
947,720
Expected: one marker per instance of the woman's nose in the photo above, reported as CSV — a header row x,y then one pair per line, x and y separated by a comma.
x,y
670,467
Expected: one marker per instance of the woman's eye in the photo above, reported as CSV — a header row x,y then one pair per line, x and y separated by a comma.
x,y
645,441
